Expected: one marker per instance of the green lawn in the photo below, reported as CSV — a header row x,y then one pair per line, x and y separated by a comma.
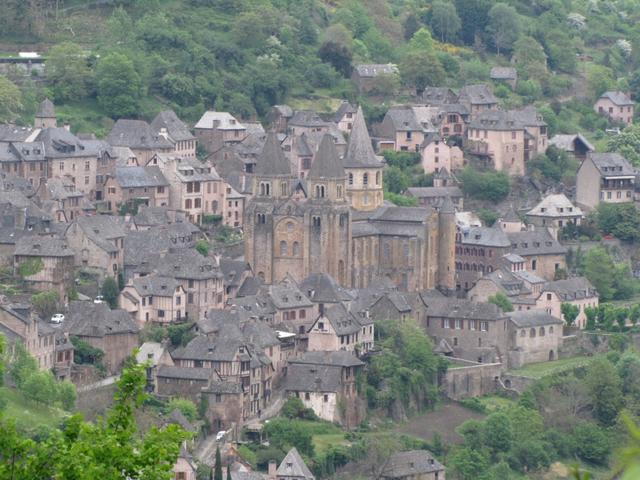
x,y
321,443
539,370
494,402
29,414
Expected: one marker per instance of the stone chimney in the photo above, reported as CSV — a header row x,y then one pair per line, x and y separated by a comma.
x,y
272,470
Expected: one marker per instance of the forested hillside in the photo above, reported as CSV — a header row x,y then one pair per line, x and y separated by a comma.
x,y
114,58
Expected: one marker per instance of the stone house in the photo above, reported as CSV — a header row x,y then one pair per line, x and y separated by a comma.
x,y
577,291
477,99
338,329
326,383
133,186
478,251
554,212
172,381
45,263
194,186
437,96
215,130
508,75
407,126
112,331
20,324
224,405
364,75
291,307
60,199
184,468
98,242
233,207
154,298
364,169
140,138
167,124
471,330
453,119
617,106
536,139
412,465
543,254
307,122
278,118
434,196
25,159
344,116
576,145
604,177
534,336
437,155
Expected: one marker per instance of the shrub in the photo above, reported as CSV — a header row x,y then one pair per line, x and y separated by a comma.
x,y
474,404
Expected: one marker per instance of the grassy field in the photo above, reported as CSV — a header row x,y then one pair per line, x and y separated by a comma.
x,y
322,442
540,370
28,414
494,402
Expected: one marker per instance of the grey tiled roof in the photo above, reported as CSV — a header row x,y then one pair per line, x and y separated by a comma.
x,y
176,128
101,229
323,288
611,164
477,95
340,358
359,149
411,464
90,319
617,97
14,133
185,264
485,236
41,246
293,466
537,242
138,177
271,160
326,163
223,387
438,95
313,378
169,371
136,134
307,118
176,417
532,318
344,108
156,285
575,288
46,109
503,73
449,307
342,321
497,120
567,142
434,192
61,143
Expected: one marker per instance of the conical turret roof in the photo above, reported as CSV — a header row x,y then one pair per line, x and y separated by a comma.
x,y
359,151
46,109
326,163
271,161
447,205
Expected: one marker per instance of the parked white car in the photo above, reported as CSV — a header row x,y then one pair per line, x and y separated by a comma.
x,y
57,318
220,435
98,299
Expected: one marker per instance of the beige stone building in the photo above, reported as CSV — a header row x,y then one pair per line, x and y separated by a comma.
x,y
338,329
554,212
534,336
215,130
617,106
604,177
413,465
437,155
140,138
155,299
577,291
407,126
134,186
233,210
344,116
477,99
167,124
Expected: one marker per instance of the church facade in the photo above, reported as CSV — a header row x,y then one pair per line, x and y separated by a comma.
x,y
323,224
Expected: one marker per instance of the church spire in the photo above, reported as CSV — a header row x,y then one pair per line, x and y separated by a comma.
x,y
271,161
326,163
360,151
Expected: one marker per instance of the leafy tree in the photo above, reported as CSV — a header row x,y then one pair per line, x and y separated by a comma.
x,y
503,26
46,303
10,100
605,390
186,407
591,314
569,312
110,291
474,16
119,85
445,21
469,464
421,69
68,72
285,433
400,200
488,217
627,144
40,386
628,368
294,408
67,394
490,186
228,472
22,365
598,267
621,220
180,334
217,471
85,353
501,300
498,432
395,180
532,61
592,443
599,80
202,246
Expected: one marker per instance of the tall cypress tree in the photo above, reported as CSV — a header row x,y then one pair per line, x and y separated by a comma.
x,y
217,473
229,472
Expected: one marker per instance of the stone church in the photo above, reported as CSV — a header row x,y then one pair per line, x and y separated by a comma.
x,y
335,222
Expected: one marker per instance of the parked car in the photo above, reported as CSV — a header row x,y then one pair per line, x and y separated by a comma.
x,y
220,435
98,299
57,318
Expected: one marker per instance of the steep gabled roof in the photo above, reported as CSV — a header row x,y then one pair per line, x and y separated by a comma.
x,y
176,128
46,109
293,466
271,161
326,163
618,98
359,150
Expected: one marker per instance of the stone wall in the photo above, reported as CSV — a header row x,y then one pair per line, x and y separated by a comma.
x,y
472,380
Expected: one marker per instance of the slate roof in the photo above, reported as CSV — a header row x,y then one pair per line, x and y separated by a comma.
x,y
448,307
216,319
186,264
485,236
618,98
438,95
293,466
140,177
216,350
532,318
15,133
272,161
373,69
537,242
176,128
503,73
88,319
551,204
156,285
574,288
225,120
307,118
360,152
344,108
223,387
123,155
46,109
326,163
611,164
567,142
101,229
150,352
342,321
339,358
61,143
176,417
41,246
477,95
233,271
497,120
323,288
286,296
411,464
434,192
313,378
169,371
136,134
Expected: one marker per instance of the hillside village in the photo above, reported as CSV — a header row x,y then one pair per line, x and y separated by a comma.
x,y
305,289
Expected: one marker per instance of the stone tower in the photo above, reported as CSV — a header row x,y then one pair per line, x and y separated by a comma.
x,y
46,115
290,230
446,246
363,168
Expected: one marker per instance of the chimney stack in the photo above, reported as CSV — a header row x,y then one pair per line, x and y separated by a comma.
x,y
272,469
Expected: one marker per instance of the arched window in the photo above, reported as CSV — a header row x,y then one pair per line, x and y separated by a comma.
x,y
386,251
296,249
290,226
550,330
542,332
262,218
284,189
351,179
532,333
378,175
320,191
365,179
474,267
466,266
284,249
339,191
523,332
